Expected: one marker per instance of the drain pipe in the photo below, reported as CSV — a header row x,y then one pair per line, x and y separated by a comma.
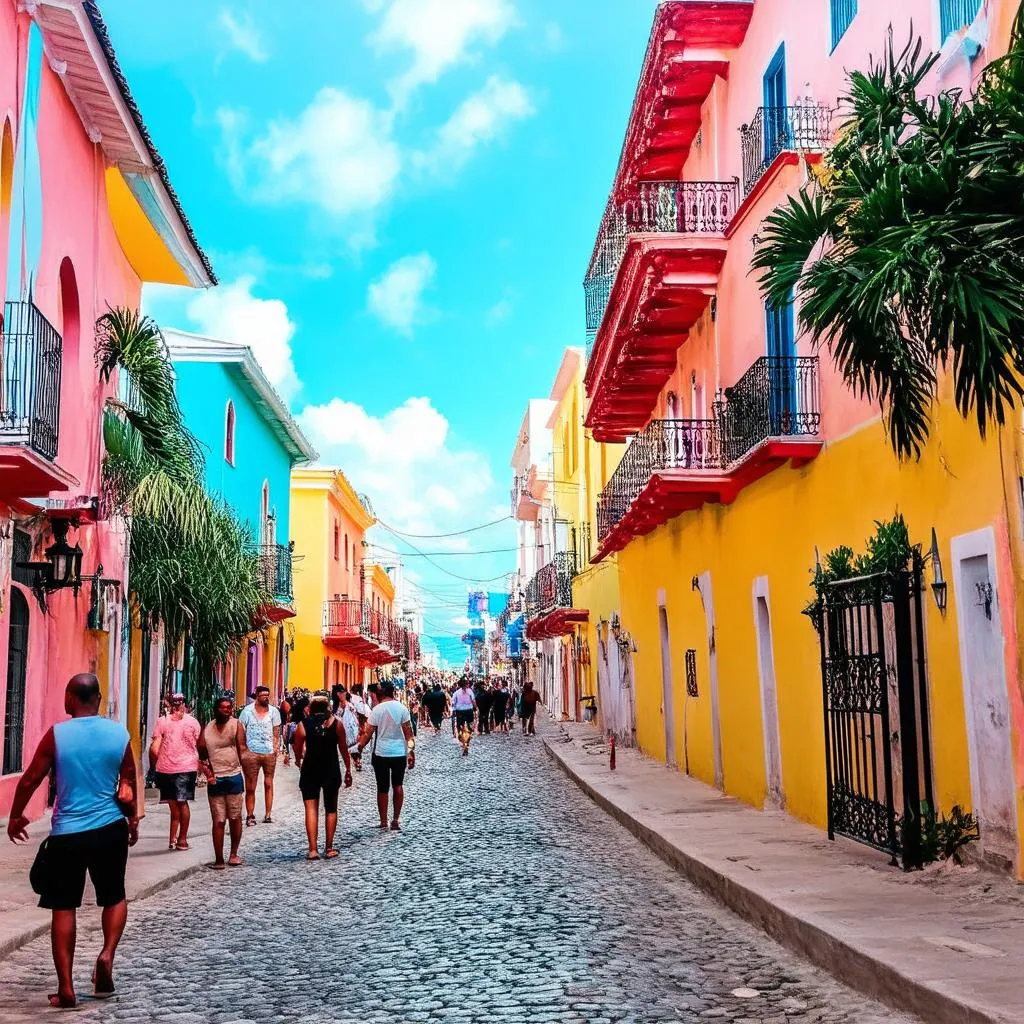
x,y
611,756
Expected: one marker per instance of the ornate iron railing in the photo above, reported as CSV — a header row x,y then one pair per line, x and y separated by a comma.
x,y
345,618
664,444
551,587
276,571
30,374
777,397
673,207
774,130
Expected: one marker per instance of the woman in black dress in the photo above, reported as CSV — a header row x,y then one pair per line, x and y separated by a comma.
x,y
318,740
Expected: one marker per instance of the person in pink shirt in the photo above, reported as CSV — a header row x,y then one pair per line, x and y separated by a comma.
x,y
175,756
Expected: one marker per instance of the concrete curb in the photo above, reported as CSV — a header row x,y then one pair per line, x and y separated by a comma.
x,y
849,964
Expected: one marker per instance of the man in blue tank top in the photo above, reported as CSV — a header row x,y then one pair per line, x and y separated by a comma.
x,y
92,759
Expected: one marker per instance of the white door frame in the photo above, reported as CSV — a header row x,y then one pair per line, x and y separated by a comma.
x,y
770,729
668,704
707,600
981,543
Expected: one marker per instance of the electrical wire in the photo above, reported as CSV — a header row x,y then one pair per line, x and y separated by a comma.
x,y
441,568
444,554
441,536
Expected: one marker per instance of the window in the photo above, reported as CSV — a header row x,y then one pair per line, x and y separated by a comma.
x,y
843,13
672,406
337,542
229,434
346,552
955,15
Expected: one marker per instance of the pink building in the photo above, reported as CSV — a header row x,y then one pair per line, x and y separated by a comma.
x,y
87,215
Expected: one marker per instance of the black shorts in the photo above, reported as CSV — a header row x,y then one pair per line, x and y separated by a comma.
x,y
464,718
65,859
311,790
178,787
436,719
390,772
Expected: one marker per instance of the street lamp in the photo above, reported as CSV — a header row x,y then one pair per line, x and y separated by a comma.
x,y
939,586
65,561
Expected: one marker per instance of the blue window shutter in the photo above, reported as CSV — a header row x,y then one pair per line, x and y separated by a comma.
x,y
956,14
843,13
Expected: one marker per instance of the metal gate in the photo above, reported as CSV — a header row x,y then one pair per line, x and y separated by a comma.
x,y
877,753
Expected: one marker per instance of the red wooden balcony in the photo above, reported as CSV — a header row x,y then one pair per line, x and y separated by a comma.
x,y
770,417
654,269
690,46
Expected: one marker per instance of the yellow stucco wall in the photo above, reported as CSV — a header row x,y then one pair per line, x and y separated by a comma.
x,y
772,530
312,533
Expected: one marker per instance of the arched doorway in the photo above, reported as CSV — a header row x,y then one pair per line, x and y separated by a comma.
x,y
17,663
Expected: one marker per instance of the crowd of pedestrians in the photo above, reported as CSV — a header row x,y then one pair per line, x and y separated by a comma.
x,y
96,812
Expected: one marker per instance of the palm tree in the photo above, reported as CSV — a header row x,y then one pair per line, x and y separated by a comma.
x,y
906,253
194,567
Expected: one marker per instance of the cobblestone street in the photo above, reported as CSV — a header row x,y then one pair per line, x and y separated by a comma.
x,y
509,897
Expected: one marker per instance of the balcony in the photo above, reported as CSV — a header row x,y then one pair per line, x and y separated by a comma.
x,y
276,578
771,416
31,351
549,610
351,626
528,490
777,136
654,268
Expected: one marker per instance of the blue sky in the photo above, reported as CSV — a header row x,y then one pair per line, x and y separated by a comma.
x,y
400,198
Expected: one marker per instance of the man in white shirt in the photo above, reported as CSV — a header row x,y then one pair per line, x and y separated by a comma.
x,y
262,724
463,705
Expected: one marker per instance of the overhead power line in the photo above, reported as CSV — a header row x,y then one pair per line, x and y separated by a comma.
x,y
441,568
444,554
441,536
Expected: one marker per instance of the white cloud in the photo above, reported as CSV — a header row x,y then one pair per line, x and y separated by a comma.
x,y
232,313
498,313
406,461
438,33
480,118
243,35
396,298
338,154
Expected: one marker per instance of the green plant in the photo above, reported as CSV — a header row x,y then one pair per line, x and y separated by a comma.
x,y
194,567
945,838
906,253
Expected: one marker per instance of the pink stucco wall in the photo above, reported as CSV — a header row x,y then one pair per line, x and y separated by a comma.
x,y
76,227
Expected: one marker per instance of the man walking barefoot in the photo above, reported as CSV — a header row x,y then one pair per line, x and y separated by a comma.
x,y
262,724
94,766
221,749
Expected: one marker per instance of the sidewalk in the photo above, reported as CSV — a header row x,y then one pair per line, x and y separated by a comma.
x,y
944,943
151,866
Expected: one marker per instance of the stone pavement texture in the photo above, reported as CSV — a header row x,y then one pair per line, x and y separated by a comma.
x,y
945,943
507,898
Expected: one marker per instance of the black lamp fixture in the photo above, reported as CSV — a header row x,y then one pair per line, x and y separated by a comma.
x,y
940,588
65,561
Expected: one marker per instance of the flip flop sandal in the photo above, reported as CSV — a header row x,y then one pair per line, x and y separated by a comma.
x,y
102,983
217,867
235,863
172,846
268,820
184,846
312,856
331,854
250,821
57,1002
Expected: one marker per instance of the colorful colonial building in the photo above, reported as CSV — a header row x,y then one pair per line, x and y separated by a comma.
x,y
749,458
345,628
250,443
87,215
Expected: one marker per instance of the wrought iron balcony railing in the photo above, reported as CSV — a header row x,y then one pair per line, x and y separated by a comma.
x,y
672,207
777,397
663,445
518,489
276,571
345,618
774,130
552,586
30,375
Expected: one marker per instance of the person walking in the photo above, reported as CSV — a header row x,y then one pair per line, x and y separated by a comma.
x,y
318,740
436,702
362,710
94,768
296,713
174,756
499,707
262,724
528,701
221,750
484,703
285,710
394,746
349,722
463,706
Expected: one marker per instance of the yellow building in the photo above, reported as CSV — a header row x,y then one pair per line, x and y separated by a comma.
x,y
749,461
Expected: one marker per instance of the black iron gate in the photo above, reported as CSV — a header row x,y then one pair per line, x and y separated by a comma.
x,y
877,752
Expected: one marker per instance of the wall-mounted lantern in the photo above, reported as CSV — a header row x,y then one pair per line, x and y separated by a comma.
x,y
65,561
940,589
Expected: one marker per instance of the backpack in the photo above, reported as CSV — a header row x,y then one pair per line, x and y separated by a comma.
x,y
350,723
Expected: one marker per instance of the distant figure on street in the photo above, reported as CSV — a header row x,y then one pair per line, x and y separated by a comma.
x,y
528,701
94,766
286,711
349,720
390,731
499,707
296,713
463,705
174,756
436,702
318,741
221,749
362,710
484,703
262,724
